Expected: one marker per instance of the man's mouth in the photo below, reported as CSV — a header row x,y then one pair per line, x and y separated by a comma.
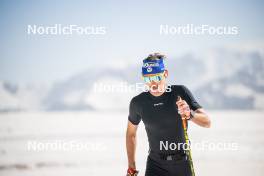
x,y
154,86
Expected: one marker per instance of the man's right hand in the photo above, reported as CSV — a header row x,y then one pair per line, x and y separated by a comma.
x,y
132,172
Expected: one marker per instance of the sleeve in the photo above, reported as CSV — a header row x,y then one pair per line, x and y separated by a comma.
x,y
189,98
134,116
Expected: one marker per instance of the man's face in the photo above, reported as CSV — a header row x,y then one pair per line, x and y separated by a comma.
x,y
157,84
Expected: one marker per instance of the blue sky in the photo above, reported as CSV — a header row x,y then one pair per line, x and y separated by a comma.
x,y
132,31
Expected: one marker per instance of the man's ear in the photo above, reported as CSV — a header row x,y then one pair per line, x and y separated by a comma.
x,y
166,73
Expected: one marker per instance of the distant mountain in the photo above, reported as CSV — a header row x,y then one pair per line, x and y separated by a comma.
x,y
224,78
15,97
243,89
77,93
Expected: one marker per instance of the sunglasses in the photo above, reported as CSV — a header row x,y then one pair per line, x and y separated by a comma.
x,y
155,78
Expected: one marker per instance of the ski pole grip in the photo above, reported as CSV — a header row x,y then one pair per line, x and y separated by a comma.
x,y
184,121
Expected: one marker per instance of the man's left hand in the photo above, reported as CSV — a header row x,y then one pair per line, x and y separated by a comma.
x,y
183,109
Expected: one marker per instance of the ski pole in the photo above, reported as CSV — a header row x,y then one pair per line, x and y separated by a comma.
x,y
188,152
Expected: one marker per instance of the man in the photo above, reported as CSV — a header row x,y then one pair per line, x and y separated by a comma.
x,y
162,115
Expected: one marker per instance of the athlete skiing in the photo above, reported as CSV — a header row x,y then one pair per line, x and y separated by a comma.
x,y
164,110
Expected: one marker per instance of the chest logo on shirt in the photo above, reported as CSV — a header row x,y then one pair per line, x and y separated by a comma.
x,y
158,104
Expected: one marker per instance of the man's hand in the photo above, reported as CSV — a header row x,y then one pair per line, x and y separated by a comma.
x,y
132,172
201,118
183,109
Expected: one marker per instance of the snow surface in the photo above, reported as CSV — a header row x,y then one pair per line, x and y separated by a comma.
x,y
107,130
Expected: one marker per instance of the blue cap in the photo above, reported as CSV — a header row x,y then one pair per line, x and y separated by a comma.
x,y
151,67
